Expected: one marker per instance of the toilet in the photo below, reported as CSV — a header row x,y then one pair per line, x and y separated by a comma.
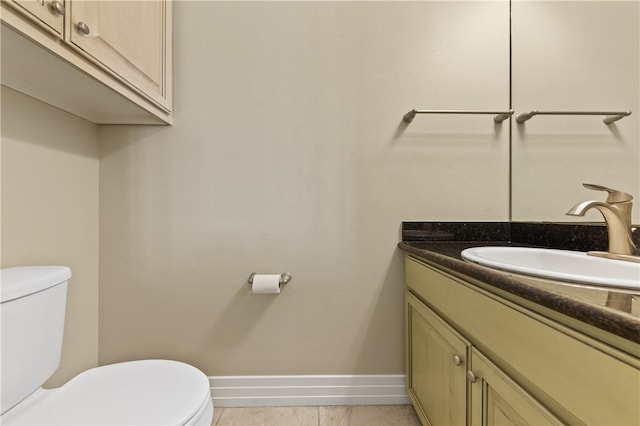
x,y
146,392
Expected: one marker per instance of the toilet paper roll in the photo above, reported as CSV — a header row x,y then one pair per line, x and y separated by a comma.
x,y
266,284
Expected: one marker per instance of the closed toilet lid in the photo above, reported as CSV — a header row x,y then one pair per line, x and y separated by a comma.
x,y
149,392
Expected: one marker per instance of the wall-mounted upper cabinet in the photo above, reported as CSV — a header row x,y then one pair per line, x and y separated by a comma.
x,y
44,12
106,61
126,37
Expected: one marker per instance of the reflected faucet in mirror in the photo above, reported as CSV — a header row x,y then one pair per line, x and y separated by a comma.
x,y
617,215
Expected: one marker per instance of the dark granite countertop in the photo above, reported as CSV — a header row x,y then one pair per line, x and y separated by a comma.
x,y
583,304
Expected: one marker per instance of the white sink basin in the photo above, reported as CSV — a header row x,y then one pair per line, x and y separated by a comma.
x,y
562,265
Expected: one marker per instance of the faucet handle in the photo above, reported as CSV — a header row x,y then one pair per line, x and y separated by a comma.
x,y
614,196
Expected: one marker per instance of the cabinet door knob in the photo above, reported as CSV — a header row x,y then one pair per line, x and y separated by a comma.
x,y
83,28
457,360
471,376
57,7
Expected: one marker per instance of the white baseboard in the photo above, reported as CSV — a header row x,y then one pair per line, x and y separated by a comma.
x,y
283,391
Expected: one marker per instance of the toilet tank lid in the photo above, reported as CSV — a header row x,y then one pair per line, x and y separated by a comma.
x,y
25,280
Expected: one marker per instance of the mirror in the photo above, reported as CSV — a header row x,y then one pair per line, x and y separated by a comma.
x,y
574,56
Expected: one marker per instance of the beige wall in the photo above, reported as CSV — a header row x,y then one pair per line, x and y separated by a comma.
x,y
50,211
288,154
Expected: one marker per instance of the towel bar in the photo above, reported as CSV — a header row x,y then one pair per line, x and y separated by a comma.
x,y
500,116
610,117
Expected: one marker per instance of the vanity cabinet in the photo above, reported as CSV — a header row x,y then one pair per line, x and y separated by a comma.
x,y
443,368
106,61
436,366
496,399
516,366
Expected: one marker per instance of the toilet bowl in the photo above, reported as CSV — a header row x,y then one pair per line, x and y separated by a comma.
x,y
146,392
149,392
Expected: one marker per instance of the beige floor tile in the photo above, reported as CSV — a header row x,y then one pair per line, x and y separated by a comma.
x,y
217,412
269,416
371,415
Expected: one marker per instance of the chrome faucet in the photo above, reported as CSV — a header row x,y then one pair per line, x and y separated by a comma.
x,y
617,215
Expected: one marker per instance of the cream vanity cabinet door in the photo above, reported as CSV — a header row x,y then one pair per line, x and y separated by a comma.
x,y
498,400
49,14
436,359
129,38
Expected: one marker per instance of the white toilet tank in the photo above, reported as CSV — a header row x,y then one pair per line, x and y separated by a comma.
x,y
32,308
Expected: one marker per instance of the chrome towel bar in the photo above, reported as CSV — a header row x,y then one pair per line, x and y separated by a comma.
x,y
609,118
500,116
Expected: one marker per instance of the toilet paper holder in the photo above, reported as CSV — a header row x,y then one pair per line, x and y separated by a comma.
x,y
285,277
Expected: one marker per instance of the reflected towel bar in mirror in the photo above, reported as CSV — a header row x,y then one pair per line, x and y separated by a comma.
x,y
500,116
609,118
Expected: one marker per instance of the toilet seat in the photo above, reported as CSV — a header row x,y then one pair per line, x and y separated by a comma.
x,y
148,392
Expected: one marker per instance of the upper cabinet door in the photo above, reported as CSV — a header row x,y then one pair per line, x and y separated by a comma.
x,y
127,37
48,13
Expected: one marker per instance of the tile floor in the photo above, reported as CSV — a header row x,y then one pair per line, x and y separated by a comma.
x,y
366,415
